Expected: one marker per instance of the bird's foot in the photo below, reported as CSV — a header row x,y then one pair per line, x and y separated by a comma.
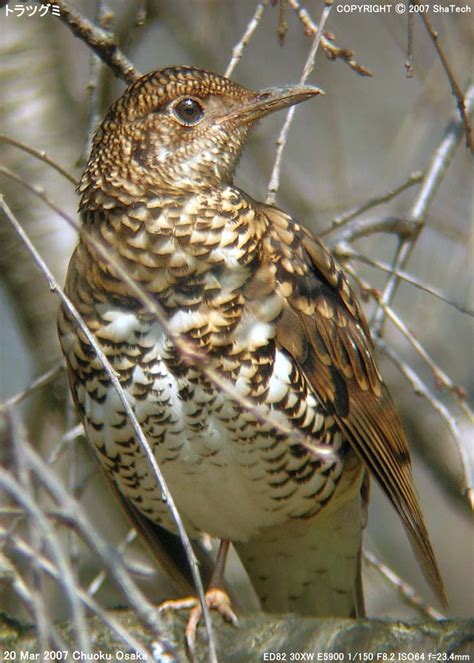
x,y
216,599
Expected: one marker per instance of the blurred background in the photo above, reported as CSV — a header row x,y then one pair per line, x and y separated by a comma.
x,y
363,139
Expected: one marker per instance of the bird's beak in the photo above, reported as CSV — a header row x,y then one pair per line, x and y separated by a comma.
x,y
270,100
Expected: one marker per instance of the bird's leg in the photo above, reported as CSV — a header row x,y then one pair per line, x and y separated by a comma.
x,y
216,598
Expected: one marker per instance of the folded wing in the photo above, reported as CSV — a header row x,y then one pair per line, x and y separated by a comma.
x,y
324,329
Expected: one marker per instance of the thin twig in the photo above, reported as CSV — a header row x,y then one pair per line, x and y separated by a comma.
x,y
21,589
420,388
358,228
282,22
440,377
100,41
409,61
39,383
346,251
40,155
330,50
244,41
23,549
51,540
96,69
283,137
18,512
73,514
432,179
98,581
406,591
17,442
455,88
93,115
75,488
347,216
69,436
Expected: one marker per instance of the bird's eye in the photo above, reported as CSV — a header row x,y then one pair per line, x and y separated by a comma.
x,y
188,111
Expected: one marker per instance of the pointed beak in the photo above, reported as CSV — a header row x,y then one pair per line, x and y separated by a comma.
x,y
272,99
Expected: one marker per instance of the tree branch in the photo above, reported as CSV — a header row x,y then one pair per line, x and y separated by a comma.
x,y
432,179
246,37
100,41
456,90
274,183
330,50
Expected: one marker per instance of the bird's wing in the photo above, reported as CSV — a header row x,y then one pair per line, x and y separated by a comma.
x,y
322,326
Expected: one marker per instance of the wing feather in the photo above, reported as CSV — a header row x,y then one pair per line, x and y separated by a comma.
x,y
324,329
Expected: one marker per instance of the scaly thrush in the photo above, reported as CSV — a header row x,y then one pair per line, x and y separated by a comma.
x,y
265,302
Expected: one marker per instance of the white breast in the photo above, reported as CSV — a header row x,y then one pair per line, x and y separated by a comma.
x,y
227,473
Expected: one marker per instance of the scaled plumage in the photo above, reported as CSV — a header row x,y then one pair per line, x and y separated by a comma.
x,y
262,298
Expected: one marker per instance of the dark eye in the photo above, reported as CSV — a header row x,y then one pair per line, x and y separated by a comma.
x,y
188,111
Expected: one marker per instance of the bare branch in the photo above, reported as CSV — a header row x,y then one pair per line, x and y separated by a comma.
x,y
98,581
100,41
23,549
345,217
68,437
103,18
39,383
406,591
40,155
73,514
456,90
432,179
330,50
246,37
344,250
11,574
409,61
420,388
51,540
442,380
283,137
358,228
93,116
17,442
282,22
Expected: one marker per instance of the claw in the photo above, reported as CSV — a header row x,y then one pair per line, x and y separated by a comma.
x,y
216,599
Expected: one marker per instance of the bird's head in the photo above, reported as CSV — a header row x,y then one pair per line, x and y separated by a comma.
x,y
179,128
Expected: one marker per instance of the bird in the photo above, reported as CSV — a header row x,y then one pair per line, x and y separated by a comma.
x,y
265,304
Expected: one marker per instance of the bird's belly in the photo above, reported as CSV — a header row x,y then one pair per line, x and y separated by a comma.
x,y
230,475
229,479
233,494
